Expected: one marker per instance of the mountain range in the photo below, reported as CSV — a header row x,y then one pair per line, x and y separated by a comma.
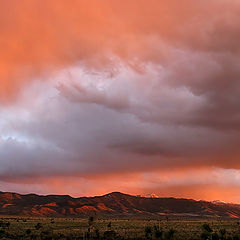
x,y
114,204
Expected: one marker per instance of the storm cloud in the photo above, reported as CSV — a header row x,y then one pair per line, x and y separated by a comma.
x,y
95,89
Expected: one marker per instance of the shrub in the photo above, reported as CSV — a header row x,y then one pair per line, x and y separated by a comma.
x,y
109,225
169,234
206,235
7,224
38,226
215,236
97,234
148,232
157,232
90,221
222,234
206,227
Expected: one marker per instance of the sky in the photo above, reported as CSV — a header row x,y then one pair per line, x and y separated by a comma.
x,y
136,96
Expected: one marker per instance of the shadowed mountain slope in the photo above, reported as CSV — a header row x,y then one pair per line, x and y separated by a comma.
x,y
112,205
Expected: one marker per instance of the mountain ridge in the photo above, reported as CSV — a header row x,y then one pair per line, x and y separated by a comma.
x,y
112,204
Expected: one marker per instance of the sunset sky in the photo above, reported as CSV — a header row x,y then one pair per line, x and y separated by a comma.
x,y
136,96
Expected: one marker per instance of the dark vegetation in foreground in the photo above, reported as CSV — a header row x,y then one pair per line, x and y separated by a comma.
x,y
93,228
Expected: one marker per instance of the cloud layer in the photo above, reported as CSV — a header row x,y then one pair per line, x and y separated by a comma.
x,y
91,90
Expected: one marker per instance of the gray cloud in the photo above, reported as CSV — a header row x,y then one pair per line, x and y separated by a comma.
x,y
79,128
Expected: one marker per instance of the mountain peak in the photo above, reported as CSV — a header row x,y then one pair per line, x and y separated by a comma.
x,y
115,193
152,195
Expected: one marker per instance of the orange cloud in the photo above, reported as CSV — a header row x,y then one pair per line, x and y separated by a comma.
x,y
39,36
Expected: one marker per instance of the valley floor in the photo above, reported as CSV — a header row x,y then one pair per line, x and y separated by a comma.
x,y
92,228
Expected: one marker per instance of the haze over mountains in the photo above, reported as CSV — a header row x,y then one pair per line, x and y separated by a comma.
x,y
112,205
